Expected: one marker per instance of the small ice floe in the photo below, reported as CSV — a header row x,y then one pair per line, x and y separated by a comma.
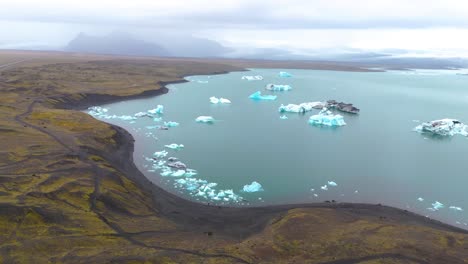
x,y
101,112
202,81
301,108
315,195
278,87
174,146
157,119
141,114
284,74
443,127
158,110
190,173
436,206
171,124
253,187
356,191
312,190
325,187
258,96
178,173
283,117
252,78
456,208
327,118
421,199
205,119
160,154
332,183
215,100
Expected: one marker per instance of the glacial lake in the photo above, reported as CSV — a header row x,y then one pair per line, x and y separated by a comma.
x,y
375,158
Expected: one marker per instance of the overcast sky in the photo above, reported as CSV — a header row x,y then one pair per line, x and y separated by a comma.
x,y
439,26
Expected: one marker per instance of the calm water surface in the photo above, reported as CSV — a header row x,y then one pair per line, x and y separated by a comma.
x,y
375,158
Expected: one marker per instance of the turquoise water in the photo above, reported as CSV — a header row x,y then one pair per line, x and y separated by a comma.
x,y
375,158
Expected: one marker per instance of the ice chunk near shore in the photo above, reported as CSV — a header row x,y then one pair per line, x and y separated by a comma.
x,y
278,87
456,208
252,78
258,96
327,118
174,146
141,114
253,187
301,108
436,206
171,124
160,154
443,127
205,119
332,183
215,100
284,74
158,110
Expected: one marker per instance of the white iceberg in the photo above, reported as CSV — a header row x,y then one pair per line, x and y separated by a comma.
x,y
171,124
284,74
215,100
443,127
252,78
205,119
283,117
278,87
325,187
141,114
160,154
253,187
420,199
332,183
158,110
327,118
174,146
258,96
178,173
101,112
456,208
301,108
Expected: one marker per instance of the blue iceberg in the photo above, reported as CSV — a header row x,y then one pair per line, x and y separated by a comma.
x,y
332,183
158,110
258,96
283,117
285,74
253,187
171,124
174,146
327,118
278,87
301,108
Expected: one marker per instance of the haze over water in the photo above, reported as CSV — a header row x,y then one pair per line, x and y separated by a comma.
x,y
375,158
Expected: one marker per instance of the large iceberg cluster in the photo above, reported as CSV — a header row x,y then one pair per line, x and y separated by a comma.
x,y
101,112
252,78
443,127
301,108
278,87
258,96
215,100
327,118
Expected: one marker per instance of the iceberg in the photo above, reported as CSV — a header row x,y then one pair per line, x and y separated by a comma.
x,y
158,110
141,114
171,124
215,100
174,146
258,96
178,173
205,119
301,108
101,112
284,74
443,127
420,199
332,183
283,117
437,205
252,78
325,187
190,173
343,107
253,187
327,118
160,154
456,208
278,87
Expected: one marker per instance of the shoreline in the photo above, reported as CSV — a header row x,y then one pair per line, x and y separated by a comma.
x,y
228,220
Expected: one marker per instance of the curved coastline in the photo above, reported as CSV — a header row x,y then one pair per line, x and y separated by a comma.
x,y
237,222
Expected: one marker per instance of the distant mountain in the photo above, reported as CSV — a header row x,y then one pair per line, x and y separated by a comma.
x,y
116,44
189,46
